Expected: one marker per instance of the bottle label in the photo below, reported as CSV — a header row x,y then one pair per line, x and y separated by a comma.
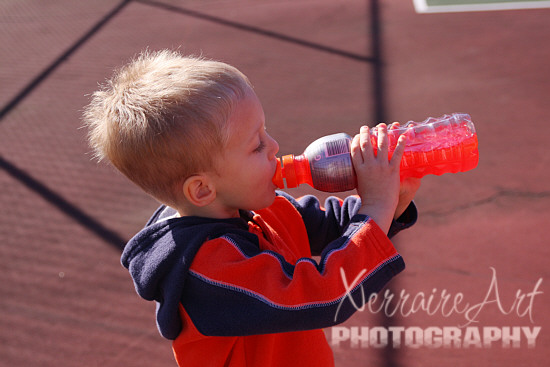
x,y
337,147
330,163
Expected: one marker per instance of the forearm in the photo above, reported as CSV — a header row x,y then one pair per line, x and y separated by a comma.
x,y
284,297
381,214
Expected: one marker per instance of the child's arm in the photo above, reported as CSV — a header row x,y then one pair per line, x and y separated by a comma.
x,y
328,222
377,177
235,288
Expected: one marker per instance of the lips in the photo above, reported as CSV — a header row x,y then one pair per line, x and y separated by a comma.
x,y
276,179
277,175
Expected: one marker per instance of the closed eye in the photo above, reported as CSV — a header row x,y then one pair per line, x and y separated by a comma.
x,y
260,147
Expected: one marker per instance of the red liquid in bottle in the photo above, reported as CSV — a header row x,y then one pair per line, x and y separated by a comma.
x,y
435,146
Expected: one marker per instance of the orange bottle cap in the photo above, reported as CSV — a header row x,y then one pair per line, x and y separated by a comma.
x,y
289,172
278,177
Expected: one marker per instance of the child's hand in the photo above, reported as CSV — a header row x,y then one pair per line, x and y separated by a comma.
x,y
408,189
377,177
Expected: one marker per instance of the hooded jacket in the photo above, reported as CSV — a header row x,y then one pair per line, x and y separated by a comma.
x,y
246,292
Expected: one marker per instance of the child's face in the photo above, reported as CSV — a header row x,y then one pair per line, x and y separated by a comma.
x,y
246,169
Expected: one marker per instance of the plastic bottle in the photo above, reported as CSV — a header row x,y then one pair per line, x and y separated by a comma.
x,y
434,146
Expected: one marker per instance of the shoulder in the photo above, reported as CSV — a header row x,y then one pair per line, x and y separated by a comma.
x,y
165,232
284,209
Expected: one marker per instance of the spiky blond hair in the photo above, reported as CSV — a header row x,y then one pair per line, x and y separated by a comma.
x,y
162,118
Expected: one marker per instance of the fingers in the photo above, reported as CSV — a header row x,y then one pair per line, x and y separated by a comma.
x,y
366,143
400,145
355,149
394,125
383,141
399,150
361,147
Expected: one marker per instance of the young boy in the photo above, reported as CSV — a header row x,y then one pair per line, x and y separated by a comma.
x,y
226,257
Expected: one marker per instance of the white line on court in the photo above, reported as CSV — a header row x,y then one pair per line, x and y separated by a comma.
x,y
422,7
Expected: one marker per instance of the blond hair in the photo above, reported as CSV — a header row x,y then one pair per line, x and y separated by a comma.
x,y
162,118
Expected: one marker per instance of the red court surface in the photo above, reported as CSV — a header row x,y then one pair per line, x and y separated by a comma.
x,y
477,259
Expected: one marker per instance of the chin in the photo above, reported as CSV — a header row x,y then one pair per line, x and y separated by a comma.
x,y
268,200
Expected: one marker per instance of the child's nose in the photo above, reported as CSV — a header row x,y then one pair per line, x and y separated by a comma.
x,y
274,147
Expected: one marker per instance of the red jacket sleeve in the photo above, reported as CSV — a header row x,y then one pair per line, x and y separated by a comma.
x,y
263,281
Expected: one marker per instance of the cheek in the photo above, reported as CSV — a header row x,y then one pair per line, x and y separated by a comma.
x,y
260,167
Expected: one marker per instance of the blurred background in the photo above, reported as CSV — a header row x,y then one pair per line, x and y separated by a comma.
x,y
319,67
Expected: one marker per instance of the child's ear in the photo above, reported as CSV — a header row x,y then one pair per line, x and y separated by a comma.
x,y
199,190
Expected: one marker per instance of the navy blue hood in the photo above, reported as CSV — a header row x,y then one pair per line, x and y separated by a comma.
x,y
159,256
